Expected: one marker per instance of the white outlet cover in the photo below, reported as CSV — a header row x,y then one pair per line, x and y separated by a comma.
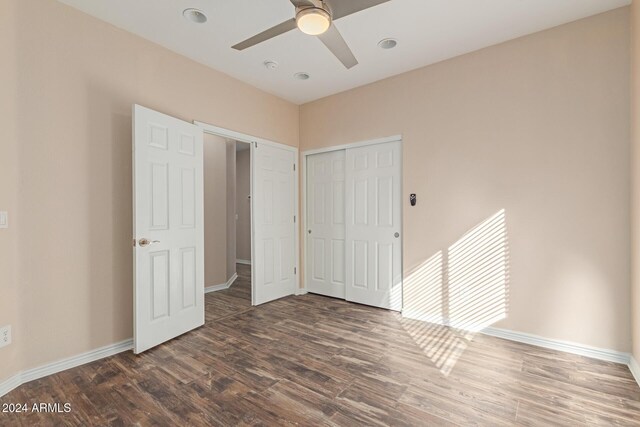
x,y
4,219
5,336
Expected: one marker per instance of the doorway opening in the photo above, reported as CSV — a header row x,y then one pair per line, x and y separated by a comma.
x,y
170,258
274,213
227,225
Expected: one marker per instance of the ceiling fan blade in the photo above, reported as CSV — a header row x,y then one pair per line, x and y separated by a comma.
x,y
333,40
267,34
342,8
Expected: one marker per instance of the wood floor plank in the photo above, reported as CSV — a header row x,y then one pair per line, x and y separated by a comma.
x,y
313,360
533,414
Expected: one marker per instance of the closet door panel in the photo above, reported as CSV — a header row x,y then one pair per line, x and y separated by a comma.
x,y
325,269
373,225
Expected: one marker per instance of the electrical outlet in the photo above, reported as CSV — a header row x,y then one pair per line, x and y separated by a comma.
x,y
4,219
5,336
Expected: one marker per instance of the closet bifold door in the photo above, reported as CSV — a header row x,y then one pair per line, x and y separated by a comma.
x,y
374,225
326,224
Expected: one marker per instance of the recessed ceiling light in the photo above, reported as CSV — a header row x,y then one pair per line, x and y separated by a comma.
x,y
195,15
271,65
302,76
387,43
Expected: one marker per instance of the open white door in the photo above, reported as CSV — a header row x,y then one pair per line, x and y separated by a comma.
x,y
168,227
373,225
273,206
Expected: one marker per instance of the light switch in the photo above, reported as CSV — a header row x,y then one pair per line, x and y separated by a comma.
x,y
4,219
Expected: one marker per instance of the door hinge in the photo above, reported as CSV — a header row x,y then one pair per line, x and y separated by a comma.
x,y
134,243
294,167
255,143
294,218
295,270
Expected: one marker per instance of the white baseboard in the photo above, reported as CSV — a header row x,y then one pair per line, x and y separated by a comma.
x,y
64,364
223,286
301,291
566,346
553,344
9,384
215,288
634,367
243,261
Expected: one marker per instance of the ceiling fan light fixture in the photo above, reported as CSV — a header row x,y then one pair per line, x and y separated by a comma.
x,y
313,20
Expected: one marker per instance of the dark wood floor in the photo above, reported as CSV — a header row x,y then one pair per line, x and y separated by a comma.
x,y
311,360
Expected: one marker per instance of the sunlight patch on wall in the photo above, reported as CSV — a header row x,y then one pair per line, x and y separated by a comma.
x,y
423,291
448,298
478,276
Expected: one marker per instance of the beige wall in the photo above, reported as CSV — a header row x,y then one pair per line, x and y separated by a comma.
x,y
9,179
635,177
215,212
243,205
538,126
69,133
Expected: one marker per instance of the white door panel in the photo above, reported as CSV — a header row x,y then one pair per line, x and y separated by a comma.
x,y
274,228
326,223
373,225
168,213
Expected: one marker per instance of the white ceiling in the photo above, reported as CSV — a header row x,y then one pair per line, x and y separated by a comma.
x,y
427,31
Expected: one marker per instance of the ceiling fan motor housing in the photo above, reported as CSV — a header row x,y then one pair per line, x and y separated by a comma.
x,y
315,4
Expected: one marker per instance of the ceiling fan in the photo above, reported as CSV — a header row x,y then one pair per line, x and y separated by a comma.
x,y
315,17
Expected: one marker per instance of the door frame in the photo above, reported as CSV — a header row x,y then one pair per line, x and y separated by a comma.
x,y
305,154
254,141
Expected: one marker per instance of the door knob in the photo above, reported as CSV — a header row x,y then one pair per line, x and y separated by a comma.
x,y
396,235
146,242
